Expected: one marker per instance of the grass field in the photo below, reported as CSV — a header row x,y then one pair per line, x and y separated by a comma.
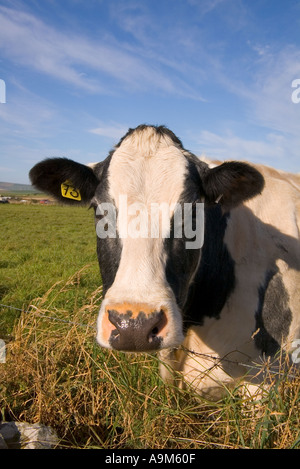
x,y
41,245
56,374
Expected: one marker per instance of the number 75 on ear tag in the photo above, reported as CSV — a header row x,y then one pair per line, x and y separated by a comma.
x,y
69,191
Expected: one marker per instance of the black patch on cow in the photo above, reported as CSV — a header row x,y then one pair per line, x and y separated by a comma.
x,y
215,278
109,255
108,249
181,262
205,292
273,315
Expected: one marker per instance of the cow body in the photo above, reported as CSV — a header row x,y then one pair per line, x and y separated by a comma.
x,y
210,310
260,316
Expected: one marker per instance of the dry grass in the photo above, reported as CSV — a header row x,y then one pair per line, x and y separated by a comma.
x,y
56,374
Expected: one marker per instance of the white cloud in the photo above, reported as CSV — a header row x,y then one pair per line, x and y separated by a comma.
x,y
272,101
72,58
266,88
28,41
26,118
205,6
114,131
161,53
277,150
266,99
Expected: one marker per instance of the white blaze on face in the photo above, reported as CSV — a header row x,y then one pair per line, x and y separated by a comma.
x,y
146,169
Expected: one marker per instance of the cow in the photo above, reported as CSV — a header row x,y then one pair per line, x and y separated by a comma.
x,y
214,310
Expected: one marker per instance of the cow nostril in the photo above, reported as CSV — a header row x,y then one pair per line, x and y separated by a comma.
x,y
161,322
153,334
115,333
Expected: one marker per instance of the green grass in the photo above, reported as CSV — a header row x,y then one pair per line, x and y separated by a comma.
x,y
41,245
56,374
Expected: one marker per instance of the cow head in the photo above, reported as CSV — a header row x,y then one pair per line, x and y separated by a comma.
x,y
147,258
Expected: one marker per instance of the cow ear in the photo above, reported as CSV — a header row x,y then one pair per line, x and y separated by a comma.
x,y
68,181
232,183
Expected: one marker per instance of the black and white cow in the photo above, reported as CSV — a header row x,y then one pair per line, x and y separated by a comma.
x,y
210,310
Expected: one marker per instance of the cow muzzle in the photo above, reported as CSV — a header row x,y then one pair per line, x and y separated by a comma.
x,y
133,327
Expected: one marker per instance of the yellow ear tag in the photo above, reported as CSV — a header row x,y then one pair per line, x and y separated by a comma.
x,y
69,191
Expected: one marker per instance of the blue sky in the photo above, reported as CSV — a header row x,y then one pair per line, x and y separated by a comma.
x,y
79,73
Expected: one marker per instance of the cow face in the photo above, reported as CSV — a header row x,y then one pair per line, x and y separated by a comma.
x,y
148,197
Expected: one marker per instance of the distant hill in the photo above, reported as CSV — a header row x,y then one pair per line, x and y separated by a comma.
x,y
12,187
